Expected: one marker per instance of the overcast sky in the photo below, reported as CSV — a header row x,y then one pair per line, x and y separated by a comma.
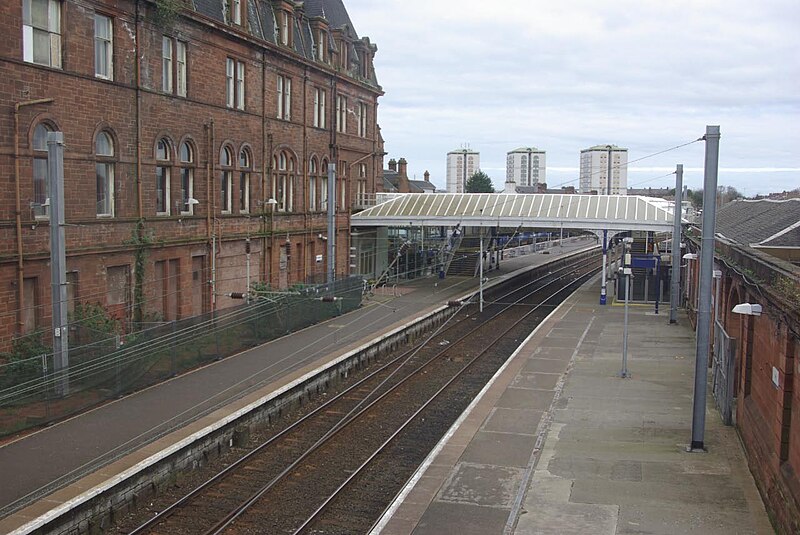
x,y
565,75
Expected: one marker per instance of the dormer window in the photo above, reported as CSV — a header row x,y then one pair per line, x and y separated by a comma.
x,y
343,54
283,28
322,45
236,12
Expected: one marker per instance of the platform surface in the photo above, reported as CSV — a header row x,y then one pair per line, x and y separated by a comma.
x,y
560,444
63,462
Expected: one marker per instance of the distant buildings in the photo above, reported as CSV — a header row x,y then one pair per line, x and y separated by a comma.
x,y
526,166
594,171
461,164
395,179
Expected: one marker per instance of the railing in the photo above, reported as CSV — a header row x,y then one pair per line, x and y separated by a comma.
x,y
33,393
724,366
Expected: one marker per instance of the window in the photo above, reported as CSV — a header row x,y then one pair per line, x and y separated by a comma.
x,y
361,194
236,11
163,160
41,182
103,47
226,179
166,64
320,97
104,170
362,119
282,29
323,192
283,180
41,32
312,185
235,84
322,45
341,113
180,68
245,166
284,98
186,157
29,312
343,54
342,184
173,66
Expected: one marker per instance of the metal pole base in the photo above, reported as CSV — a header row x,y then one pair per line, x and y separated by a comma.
x,y
624,374
696,447
673,322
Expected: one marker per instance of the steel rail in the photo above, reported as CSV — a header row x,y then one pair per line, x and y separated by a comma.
x,y
413,417
231,469
234,515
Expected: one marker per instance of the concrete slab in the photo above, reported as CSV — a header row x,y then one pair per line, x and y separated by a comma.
x,y
526,398
538,381
503,449
568,519
446,518
518,421
480,484
544,365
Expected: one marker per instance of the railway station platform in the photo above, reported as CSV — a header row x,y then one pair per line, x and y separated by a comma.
x,y
558,443
75,459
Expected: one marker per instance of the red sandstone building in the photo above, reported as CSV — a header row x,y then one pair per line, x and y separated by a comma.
x,y
182,120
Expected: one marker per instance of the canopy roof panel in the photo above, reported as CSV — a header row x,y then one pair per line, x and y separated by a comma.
x,y
589,212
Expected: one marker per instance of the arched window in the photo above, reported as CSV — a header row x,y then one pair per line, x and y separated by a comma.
x,y
283,180
226,179
245,167
323,194
41,182
104,170
163,172
186,159
312,184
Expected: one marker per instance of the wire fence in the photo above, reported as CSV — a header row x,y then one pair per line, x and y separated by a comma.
x,y
33,392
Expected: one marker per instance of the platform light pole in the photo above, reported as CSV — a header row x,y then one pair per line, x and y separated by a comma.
x,y
626,272
605,262
706,270
58,261
677,212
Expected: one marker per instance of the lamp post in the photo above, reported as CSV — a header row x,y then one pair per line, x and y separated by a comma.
x,y
626,271
675,282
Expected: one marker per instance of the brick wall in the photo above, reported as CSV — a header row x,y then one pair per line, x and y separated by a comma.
x,y
83,105
768,401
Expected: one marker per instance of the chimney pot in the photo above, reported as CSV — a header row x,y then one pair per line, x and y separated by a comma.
x,y
427,176
402,167
393,165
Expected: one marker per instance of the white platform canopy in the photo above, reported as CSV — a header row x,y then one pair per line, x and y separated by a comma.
x,y
585,212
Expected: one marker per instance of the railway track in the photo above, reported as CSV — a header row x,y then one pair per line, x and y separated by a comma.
x,y
336,469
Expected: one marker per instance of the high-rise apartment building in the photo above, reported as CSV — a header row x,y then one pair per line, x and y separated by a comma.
x,y
597,163
461,164
526,166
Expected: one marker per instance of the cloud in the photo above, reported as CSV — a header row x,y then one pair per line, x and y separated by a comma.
x,y
566,75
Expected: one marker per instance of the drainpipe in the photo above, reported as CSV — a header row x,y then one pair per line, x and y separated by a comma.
x,y
264,196
18,207
138,119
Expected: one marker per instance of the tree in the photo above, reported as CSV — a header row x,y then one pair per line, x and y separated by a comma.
x,y
480,183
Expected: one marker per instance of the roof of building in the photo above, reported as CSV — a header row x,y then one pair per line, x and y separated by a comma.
x,y
415,186
261,24
761,223
463,151
604,147
591,212
527,150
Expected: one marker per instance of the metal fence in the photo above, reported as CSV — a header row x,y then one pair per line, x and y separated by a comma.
x,y
32,393
724,363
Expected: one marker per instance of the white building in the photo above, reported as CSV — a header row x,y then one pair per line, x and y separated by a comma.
x,y
526,166
461,164
595,165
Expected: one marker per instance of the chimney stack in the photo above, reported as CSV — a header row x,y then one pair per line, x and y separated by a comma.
x,y
427,176
402,176
393,165
402,167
